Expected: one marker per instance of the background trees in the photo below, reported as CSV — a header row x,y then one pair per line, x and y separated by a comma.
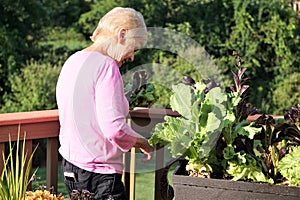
x,y
37,36
20,23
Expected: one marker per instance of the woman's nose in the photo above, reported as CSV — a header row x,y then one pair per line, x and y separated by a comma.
x,y
131,58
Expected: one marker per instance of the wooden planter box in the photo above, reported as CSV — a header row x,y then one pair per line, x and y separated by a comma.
x,y
187,187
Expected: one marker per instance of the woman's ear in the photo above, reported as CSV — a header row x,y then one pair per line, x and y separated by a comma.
x,y
122,35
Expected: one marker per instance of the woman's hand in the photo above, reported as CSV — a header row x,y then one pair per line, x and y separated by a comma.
x,y
145,147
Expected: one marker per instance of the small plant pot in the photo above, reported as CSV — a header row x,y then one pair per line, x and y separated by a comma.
x,y
187,187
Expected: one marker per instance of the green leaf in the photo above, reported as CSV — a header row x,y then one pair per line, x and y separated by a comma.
x,y
257,146
216,96
200,86
236,99
184,137
181,100
245,167
228,152
195,112
176,132
212,122
252,131
180,144
165,132
213,131
214,103
247,130
289,167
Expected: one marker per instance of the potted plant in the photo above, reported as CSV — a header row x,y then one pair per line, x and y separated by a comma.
x,y
218,143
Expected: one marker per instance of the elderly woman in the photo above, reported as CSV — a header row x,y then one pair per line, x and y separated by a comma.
x,y
92,107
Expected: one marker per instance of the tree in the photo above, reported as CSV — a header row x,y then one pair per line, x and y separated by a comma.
x,y
286,93
36,30
32,89
20,25
265,33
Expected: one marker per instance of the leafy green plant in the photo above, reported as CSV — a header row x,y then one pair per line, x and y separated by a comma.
x,y
215,137
289,167
275,144
140,92
16,176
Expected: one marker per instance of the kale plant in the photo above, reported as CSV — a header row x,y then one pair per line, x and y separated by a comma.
x,y
212,119
214,135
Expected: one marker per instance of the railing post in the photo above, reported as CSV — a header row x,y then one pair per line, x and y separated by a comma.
x,y
129,173
159,170
131,161
126,174
143,120
132,174
52,163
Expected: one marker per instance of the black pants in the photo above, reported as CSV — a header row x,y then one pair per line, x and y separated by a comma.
x,y
101,186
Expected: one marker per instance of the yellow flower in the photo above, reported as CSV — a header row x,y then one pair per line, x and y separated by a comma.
x,y
42,195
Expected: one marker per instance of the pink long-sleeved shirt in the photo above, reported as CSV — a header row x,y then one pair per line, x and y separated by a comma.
x,y
92,111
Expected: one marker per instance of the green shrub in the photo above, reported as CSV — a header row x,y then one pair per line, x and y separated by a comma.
x,y
32,89
286,93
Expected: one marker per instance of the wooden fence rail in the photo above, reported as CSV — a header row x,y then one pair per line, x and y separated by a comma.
x,y
45,125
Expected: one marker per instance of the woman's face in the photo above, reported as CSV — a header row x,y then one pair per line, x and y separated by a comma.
x,y
127,52
125,48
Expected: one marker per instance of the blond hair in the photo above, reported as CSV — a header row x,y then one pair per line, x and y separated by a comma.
x,y
118,18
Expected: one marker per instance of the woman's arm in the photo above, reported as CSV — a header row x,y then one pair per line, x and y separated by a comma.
x,y
112,110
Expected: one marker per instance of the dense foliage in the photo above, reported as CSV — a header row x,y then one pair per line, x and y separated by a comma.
x,y
214,135
32,89
140,93
266,33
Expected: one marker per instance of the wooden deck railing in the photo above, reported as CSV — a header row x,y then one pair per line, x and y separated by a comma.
x,y
36,125
45,125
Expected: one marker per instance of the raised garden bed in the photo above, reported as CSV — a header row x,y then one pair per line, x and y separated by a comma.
x,y
187,187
